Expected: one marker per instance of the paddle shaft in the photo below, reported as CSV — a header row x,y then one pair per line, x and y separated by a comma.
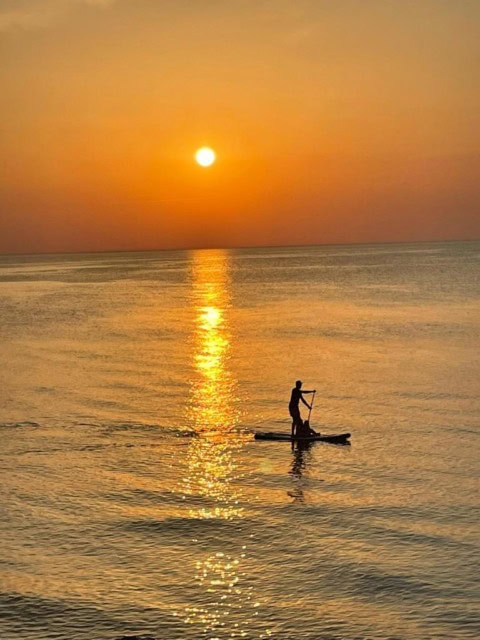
x,y
311,405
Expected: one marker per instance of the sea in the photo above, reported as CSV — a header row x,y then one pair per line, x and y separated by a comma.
x,y
136,502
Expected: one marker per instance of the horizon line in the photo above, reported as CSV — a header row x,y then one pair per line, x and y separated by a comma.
x,y
243,247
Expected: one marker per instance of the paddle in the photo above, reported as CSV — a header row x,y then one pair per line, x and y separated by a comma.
x,y
311,406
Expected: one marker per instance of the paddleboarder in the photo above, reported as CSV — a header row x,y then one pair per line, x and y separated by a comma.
x,y
305,430
293,406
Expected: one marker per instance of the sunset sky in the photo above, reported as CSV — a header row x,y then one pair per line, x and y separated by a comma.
x,y
333,121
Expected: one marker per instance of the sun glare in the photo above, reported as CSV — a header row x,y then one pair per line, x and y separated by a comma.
x,y
205,156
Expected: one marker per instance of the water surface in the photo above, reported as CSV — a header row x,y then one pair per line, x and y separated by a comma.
x,y
135,500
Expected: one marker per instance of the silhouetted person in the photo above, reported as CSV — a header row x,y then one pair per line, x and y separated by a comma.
x,y
304,430
293,406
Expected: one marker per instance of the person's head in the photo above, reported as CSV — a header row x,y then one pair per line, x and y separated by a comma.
x,y
298,384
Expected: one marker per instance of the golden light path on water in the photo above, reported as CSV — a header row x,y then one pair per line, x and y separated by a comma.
x,y
225,605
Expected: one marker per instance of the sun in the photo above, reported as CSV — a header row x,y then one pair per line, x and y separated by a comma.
x,y
205,156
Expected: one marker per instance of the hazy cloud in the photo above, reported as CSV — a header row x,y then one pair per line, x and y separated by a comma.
x,y
34,14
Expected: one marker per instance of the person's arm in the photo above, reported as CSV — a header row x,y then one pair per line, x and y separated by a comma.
x,y
310,391
304,401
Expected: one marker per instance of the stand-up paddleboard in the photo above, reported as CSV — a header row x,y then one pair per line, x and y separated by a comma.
x,y
334,438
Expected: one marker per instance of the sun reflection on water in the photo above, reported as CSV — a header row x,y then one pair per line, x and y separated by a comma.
x,y
225,606
213,409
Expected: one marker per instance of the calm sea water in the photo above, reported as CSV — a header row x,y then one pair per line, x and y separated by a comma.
x,y
136,502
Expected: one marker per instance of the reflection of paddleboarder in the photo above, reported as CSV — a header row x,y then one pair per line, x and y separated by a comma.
x,y
293,406
301,454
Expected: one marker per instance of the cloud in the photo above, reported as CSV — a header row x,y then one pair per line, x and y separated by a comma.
x,y
35,14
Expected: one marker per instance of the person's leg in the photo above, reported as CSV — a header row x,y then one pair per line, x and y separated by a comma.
x,y
294,425
295,420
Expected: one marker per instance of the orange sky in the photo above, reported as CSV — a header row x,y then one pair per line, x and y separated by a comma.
x,y
333,121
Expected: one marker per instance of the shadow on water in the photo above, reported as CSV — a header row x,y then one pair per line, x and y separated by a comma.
x,y
301,457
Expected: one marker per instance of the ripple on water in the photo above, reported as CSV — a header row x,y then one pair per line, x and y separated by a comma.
x,y
30,617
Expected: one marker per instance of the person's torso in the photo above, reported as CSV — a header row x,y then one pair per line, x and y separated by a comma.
x,y
295,397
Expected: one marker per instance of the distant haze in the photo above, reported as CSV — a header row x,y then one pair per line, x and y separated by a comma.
x,y
334,121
